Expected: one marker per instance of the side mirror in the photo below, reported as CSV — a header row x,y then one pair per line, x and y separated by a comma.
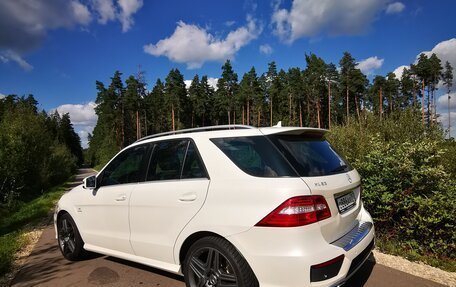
x,y
89,182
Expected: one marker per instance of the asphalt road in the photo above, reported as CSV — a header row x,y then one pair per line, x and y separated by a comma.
x,y
47,267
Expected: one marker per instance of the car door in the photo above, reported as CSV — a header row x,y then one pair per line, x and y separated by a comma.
x,y
105,210
173,193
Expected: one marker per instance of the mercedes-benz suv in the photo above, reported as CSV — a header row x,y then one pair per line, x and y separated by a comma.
x,y
225,206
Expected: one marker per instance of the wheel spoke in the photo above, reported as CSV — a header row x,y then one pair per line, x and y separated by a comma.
x,y
228,277
65,226
198,268
215,260
71,245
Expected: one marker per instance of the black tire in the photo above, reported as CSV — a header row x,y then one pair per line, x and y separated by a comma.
x,y
213,261
69,239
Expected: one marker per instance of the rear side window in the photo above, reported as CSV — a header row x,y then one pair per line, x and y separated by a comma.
x,y
310,155
167,160
255,156
175,159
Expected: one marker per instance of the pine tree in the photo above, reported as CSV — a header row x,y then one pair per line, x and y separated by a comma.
x,y
447,78
332,78
227,87
347,67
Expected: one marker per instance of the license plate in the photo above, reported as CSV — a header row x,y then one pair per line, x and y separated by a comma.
x,y
346,202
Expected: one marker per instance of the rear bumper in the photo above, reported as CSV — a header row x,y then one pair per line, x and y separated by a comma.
x,y
284,256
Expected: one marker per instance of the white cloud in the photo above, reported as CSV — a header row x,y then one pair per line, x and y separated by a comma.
x,y
443,119
194,46
2,96
10,56
266,49
80,114
442,101
400,70
81,13
308,18
82,117
25,24
127,9
370,64
122,10
211,81
394,8
230,23
446,51
105,9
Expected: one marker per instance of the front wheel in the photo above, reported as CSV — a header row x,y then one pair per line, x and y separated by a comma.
x,y
70,241
214,262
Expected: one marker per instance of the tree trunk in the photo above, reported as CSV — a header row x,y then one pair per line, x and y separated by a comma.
x,y
348,109
172,117
357,106
138,131
270,108
329,104
300,114
380,103
289,109
414,93
229,118
243,115
422,102
318,115
259,116
123,126
248,112
449,115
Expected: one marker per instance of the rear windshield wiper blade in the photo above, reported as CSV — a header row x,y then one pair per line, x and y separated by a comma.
x,y
340,168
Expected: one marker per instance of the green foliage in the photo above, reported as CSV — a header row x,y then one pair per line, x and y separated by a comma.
x,y
9,245
14,222
36,150
407,186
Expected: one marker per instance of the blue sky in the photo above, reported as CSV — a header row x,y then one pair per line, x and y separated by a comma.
x,y
56,49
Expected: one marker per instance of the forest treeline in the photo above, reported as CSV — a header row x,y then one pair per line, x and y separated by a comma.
x,y
37,150
320,95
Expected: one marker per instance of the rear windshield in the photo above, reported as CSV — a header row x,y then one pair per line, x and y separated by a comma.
x,y
283,155
255,156
310,155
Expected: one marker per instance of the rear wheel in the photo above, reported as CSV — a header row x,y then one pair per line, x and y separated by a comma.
x,y
70,241
214,262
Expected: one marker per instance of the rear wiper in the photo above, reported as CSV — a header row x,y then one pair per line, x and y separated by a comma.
x,y
340,168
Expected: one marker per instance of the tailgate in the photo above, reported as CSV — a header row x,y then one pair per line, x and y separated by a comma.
x,y
342,193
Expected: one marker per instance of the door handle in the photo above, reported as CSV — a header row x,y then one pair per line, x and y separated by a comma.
x,y
188,197
121,198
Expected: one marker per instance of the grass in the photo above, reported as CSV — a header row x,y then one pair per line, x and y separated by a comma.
x,y
14,226
395,247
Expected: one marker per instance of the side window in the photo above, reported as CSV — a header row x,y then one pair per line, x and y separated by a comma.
x,y
167,160
125,168
193,166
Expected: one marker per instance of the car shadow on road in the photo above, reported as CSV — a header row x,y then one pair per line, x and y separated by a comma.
x,y
361,276
145,268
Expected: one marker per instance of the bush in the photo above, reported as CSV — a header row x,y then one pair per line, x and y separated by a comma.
x,y
407,185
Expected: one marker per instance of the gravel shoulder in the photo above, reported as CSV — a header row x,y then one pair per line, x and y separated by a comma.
x,y
418,269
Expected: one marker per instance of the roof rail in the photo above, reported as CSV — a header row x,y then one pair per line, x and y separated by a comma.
x,y
201,129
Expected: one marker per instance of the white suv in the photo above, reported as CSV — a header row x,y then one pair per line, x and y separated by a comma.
x,y
225,206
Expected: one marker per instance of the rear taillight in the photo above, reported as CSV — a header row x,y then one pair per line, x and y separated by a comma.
x,y
297,211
